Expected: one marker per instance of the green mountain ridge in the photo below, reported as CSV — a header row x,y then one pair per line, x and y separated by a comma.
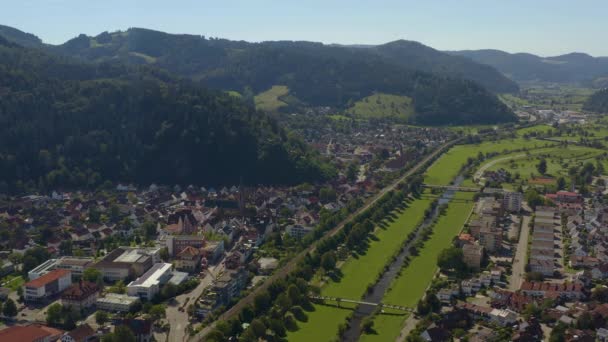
x,y
20,37
525,67
68,123
414,55
316,74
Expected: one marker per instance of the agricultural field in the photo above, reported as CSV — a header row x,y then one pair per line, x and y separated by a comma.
x,y
533,129
270,100
354,282
470,130
382,106
411,285
513,101
445,169
557,97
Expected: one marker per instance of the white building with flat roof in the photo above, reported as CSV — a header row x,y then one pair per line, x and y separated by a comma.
x,y
76,265
298,231
149,284
42,269
124,262
114,302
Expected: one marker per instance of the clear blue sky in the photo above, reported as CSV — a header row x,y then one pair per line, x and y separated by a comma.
x,y
545,27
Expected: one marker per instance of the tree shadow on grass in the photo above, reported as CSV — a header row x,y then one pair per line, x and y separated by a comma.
x,y
335,306
336,275
308,307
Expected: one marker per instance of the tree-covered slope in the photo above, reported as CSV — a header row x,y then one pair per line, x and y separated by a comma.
x,y
66,123
525,67
17,36
417,56
316,74
598,102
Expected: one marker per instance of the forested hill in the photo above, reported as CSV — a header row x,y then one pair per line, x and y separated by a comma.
x,y
65,123
598,102
525,67
316,74
417,56
20,37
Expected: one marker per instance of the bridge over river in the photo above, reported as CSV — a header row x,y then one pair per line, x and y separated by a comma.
x,y
344,300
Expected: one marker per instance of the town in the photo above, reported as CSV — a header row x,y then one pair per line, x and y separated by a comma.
x,y
303,171
163,259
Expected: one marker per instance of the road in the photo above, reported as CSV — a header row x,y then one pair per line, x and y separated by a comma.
x,y
410,324
178,320
519,263
290,265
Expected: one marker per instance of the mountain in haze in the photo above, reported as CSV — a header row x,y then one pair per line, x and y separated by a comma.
x,y
316,74
68,123
20,37
598,102
525,67
414,55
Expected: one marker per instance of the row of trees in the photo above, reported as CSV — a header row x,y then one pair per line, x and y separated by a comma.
x,y
285,302
268,315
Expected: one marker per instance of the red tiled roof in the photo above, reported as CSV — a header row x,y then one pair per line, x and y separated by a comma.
x,y
80,291
28,333
601,310
549,287
567,193
82,332
47,278
189,251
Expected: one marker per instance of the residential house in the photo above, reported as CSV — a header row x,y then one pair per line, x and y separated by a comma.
x,y
141,328
81,295
189,259
82,333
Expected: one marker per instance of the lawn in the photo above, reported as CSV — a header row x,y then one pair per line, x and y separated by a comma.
x,y
447,167
13,282
407,289
354,281
322,324
382,105
559,160
270,99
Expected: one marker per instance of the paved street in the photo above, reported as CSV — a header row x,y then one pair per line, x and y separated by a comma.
x,y
519,263
177,319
